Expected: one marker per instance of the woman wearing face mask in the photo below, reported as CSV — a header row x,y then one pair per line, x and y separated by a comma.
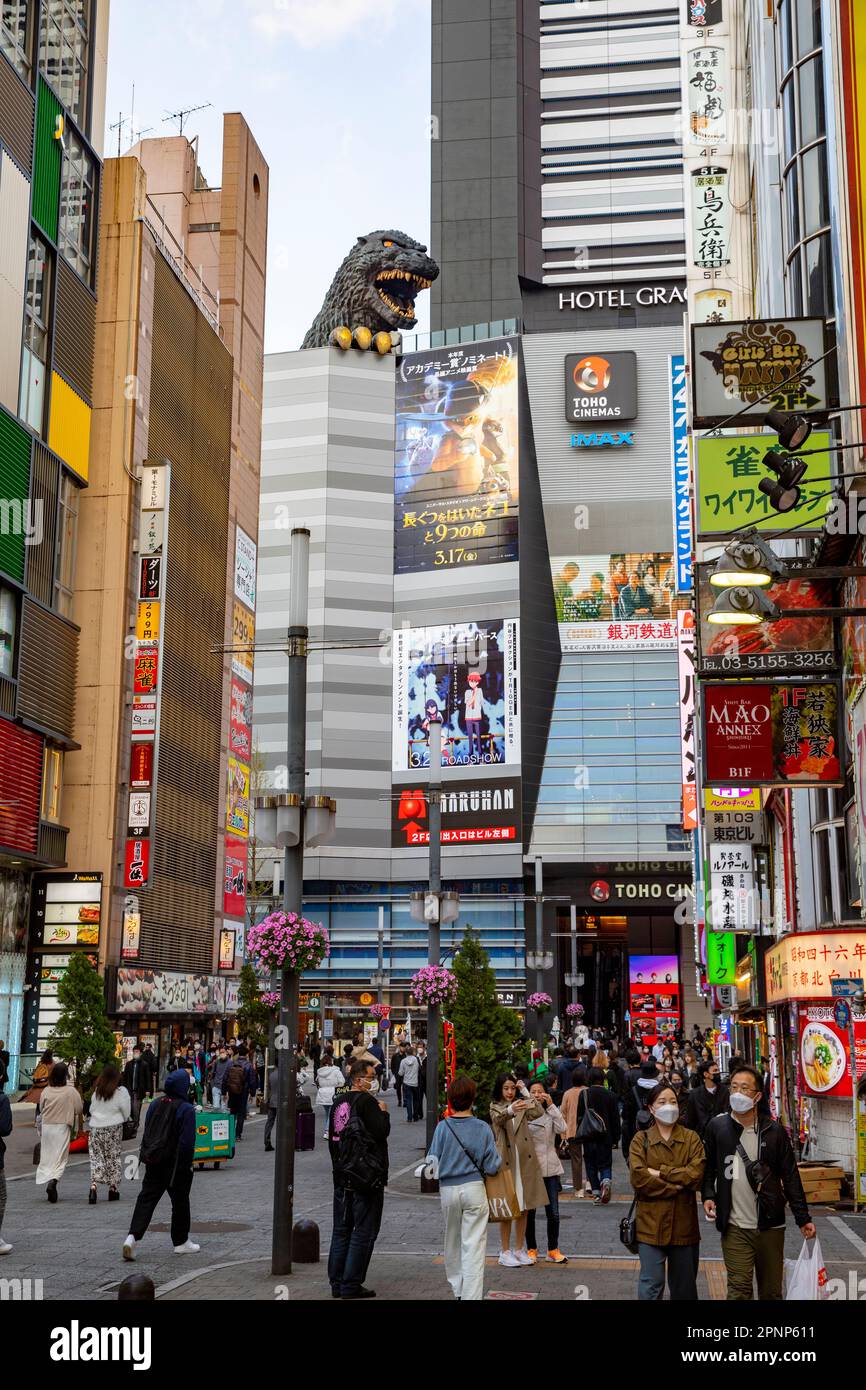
x,y
666,1164
511,1111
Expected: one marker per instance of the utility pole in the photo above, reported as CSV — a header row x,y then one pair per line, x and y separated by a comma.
x,y
293,901
434,874
539,946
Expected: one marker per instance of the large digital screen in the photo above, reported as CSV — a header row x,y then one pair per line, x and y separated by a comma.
x,y
456,482
609,602
654,997
466,675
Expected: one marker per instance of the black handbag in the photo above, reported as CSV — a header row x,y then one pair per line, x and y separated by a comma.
x,y
129,1129
628,1224
592,1127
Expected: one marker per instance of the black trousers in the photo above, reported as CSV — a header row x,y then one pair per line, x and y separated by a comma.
x,y
238,1108
159,1179
269,1123
357,1218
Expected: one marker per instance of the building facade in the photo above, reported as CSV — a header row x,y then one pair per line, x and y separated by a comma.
x,y
158,788
52,100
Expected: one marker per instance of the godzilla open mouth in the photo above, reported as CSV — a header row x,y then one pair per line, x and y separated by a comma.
x,y
397,289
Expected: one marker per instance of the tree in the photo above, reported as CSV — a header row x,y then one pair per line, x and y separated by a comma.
x,y
485,1032
82,1034
253,1016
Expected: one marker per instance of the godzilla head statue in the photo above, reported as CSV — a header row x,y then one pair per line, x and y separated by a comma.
x,y
375,287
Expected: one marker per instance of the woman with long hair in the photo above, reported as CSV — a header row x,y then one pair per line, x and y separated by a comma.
x,y
511,1110
110,1106
40,1077
60,1111
666,1166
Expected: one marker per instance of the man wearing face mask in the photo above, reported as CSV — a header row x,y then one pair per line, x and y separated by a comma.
x,y
751,1175
666,1165
708,1099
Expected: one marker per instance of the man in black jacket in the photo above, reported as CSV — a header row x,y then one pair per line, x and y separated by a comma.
x,y
358,1195
646,1078
751,1175
137,1080
708,1099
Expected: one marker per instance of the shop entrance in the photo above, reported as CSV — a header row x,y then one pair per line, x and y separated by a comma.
x,y
601,954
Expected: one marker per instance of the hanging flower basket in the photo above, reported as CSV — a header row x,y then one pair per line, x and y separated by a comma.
x,y
541,1003
285,941
271,998
575,1011
434,985
379,1010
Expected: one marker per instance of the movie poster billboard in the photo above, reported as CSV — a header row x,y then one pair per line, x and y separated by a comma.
x,y
654,997
772,735
615,602
790,646
729,469
467,675
456,483
473,813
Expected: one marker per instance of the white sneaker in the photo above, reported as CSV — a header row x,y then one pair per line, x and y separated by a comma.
x,y
189,1247
508,1260
5,1247
129,1248
522,1257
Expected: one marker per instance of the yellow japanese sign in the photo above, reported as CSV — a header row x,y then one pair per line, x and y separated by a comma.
x,y
804,966
147,623
732,799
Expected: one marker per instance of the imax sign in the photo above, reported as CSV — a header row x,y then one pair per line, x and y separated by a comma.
x,y
603,441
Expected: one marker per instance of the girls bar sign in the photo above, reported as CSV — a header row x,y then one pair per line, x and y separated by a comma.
x,y
772,735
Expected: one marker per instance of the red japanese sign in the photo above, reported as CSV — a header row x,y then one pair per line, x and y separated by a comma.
x,y
141,765
241,721
149,581
235,888
146,669
771,735
825,1052
137,874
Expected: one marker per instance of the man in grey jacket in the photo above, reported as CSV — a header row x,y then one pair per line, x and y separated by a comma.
x,y
410,1074
220,1066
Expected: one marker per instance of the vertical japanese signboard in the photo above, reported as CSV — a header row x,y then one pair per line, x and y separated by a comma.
x,y
147,673
681,476
686,652
238,768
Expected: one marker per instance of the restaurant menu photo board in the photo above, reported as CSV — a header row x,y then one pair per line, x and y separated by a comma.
x,y
466,675
654,997
790,646
772,735
825,1052
67,909
754,365
45,972
456,472
618,602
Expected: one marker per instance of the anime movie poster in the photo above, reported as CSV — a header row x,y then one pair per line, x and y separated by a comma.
x,y
466,674
456,465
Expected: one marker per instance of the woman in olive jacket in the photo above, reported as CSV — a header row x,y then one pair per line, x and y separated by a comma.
x,y
666,1165
510,1114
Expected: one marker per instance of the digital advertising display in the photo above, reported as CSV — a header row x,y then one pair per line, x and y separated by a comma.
x,y
654,996
622,601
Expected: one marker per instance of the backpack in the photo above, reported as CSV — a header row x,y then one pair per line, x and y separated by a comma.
x,y
160,1132
357,1158
236,1079
644,1117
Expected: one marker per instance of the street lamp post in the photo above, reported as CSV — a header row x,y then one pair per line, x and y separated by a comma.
x,y
539,943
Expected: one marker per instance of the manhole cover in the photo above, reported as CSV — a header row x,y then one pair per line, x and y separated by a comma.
x,y
205,1228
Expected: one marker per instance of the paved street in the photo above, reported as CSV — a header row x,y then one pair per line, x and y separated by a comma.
x,y
74,1249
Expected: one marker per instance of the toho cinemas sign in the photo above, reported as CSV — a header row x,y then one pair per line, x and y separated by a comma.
x,y
771,735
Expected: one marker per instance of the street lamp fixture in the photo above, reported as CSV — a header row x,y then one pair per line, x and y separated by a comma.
x,y
793,430
539,960
746,563
784,493
743,607
574,981
380,979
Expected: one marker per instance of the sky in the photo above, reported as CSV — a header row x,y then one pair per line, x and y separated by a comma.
x,y
337,95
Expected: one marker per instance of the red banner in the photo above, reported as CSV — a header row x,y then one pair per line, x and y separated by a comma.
x,y
235,890
137,873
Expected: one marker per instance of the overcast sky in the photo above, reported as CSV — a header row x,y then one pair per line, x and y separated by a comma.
x,y
337,94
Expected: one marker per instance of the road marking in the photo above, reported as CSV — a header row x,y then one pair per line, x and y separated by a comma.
x,y
845,1230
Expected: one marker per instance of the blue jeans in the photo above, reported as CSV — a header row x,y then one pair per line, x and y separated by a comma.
x,y
357,1218
551,1211
598,1161
412,1102
682,1272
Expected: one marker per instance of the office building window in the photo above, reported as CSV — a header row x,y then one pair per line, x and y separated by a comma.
x,y
15,35
807,198
52,783
8,629
37,316
77,227
67,536
63,53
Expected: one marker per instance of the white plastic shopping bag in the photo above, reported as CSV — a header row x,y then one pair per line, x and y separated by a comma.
x,y
806,1277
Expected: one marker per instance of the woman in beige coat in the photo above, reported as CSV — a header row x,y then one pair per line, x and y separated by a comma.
x,y
510,1114
60,1112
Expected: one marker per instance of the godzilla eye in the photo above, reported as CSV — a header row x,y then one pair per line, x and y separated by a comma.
x,y
387,243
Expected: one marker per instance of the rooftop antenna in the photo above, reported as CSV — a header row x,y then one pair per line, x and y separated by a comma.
x,y
118,126
180,116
